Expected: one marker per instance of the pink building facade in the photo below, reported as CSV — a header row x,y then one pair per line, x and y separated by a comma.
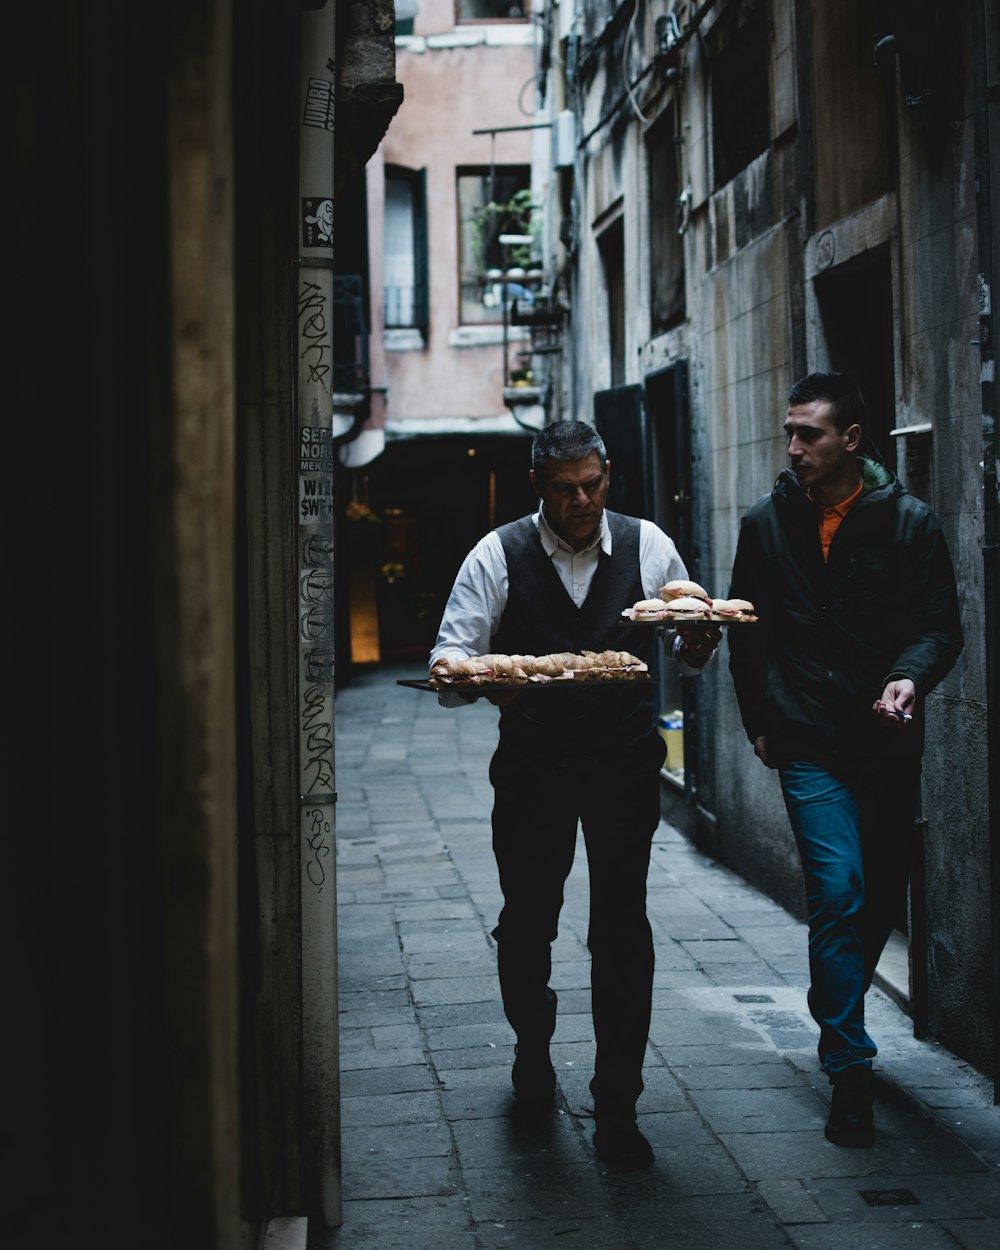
x,y
437,333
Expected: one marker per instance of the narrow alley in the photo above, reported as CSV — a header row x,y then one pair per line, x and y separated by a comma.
x,y
734,1106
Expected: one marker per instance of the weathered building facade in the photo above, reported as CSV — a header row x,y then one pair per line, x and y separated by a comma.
x,y
442,458
757,189
170,896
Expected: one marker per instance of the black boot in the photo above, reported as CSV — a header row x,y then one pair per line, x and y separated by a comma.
x,y
618,1142
851,1122
533,1076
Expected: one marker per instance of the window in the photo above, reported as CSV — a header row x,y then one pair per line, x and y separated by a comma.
x,y
406,12
491,10
405,252
666,246
490,203
740,89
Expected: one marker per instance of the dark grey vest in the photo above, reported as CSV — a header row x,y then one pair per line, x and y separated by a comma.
x,y
541,618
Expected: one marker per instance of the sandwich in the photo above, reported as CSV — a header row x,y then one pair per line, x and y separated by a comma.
x,y
689,608
519,670
647,610
733,610
681,588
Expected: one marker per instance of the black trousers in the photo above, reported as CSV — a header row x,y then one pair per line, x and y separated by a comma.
x,y
539,801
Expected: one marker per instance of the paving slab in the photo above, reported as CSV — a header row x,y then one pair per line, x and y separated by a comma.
x,y
536,1189
438,1155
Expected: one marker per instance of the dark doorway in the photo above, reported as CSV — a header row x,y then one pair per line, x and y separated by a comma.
x,y
409,519
855,304
670,454
620,420
666,405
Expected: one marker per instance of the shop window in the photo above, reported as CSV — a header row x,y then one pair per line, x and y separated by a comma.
x,y
405,252
667,304
740,89
491,203
490,11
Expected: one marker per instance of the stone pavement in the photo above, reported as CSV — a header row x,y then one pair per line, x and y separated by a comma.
x,y
434,1158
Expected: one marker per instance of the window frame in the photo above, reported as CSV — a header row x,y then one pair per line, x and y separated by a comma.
x,y
482,172
489,21
417,181
734,35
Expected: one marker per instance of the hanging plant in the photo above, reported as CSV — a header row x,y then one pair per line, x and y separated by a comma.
x,y
514,216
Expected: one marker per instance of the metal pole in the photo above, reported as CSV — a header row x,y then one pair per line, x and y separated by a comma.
x,y
315,613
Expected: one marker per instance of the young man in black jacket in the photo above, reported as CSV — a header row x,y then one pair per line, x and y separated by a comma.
x,y
859,620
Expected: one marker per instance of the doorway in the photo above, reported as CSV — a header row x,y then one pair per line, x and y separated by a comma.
x,y
855,307
646,429
856,312
408,520
666,404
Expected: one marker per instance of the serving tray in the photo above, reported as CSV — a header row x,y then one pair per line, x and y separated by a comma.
x,y
505,687
671,621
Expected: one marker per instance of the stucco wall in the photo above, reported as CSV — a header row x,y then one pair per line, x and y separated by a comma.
x,y
829,191
455,81
941,363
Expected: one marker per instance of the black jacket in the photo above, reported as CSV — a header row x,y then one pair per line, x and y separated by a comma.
x,y
832,635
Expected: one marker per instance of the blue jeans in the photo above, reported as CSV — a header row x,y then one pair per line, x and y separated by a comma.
x,y
853,840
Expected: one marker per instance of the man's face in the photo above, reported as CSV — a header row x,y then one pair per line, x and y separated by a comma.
x,y
819,453
573,494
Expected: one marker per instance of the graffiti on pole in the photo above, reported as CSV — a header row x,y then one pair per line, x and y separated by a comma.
x,y
316,347
317,832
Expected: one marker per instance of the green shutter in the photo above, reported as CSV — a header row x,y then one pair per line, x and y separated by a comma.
x,y
421,280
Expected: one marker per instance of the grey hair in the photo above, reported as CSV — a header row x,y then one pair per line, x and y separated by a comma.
x,y
565,442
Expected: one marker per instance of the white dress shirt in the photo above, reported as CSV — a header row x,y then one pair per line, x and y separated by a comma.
x,y
478,598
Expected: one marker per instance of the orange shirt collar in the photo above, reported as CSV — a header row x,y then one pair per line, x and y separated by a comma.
x,y
830,518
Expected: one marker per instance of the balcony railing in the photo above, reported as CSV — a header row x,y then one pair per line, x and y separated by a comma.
x,y
400,306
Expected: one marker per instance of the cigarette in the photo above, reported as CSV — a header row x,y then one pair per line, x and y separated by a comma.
x,y
902,715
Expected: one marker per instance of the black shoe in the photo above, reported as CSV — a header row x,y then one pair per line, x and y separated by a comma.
x,y
851,1122
532,1075
620,1145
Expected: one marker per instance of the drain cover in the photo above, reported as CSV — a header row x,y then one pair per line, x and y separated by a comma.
x,y
889,1197
753,998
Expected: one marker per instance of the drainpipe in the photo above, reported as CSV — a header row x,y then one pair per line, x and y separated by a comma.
x,y
985,30
320,1109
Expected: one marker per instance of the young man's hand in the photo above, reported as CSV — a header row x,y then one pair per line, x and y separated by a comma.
x,y
896,706
760,750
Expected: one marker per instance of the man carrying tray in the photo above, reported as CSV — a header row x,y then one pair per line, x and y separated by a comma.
x,y
552,582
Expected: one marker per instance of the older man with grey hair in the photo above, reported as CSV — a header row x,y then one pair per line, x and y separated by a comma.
x,y
557,581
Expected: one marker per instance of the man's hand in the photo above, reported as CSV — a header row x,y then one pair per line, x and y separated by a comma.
x,y
698,642
760,750
897,704
502,700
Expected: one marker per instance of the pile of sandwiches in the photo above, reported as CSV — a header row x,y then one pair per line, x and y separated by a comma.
x,y
682,600
523,670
